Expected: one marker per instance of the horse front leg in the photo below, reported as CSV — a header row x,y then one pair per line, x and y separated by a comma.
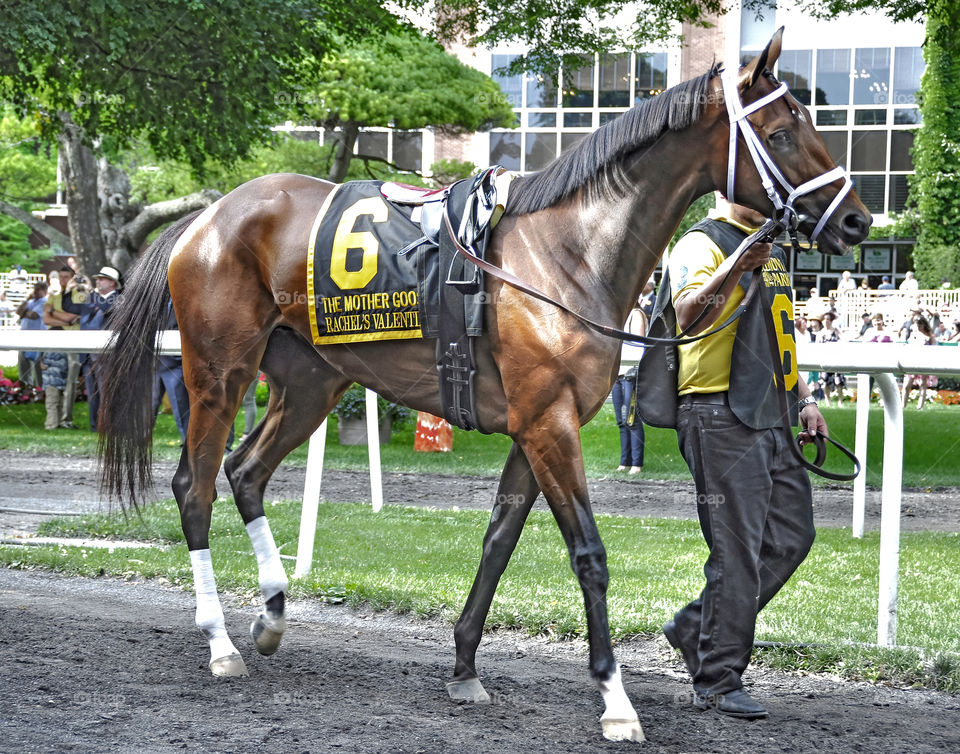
x,y
552,446
516,495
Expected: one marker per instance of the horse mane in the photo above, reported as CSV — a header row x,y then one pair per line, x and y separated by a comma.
x,y
675,109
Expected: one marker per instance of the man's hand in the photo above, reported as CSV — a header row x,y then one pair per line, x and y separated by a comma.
x,y
812,423
756,256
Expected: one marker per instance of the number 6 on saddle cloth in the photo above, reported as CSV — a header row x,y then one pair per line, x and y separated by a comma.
x,y
374,269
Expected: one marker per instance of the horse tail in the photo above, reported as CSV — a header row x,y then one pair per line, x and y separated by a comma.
x,y
128,369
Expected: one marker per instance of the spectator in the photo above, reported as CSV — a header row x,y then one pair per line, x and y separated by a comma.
x,y
55,318
55,367
833,382
879,334
624,407
31,318
922,335
954,336
864,284
906,329
885,284
814,327
865,323
94,309
909,284
940,331
945,284
6,307
846,283
169,379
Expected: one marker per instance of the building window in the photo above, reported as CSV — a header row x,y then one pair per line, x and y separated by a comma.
x,y
868,150
871,76
505,150
651,74
578,87
898,193
511,84
871,117
570,140
795,68
614,88
542,120
541,90
577,120
408,150
836,143
870,189
833,77
907,69
901,142
373,144
541,148
832,118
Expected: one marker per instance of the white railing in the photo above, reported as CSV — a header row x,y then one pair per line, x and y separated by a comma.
x,y
895,306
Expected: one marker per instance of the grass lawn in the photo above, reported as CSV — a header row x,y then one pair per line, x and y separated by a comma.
x,y
423,561
931,445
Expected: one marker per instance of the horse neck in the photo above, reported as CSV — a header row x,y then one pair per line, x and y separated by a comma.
x,y
625,234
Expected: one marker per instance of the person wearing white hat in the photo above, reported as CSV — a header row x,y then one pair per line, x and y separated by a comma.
x,y
94,308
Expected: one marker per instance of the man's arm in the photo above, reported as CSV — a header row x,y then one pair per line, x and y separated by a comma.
x,y
811,420
713,294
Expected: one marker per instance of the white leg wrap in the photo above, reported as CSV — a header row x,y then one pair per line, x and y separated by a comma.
x,y
619,720
273,579
616,703
209,613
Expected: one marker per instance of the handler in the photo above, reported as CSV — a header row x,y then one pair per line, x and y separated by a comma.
x,y
754,500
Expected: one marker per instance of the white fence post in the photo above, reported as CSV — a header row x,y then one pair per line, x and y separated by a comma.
x,y
373,444
860,448
311,501
890,499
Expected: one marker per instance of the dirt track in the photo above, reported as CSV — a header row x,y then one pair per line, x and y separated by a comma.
x,y
102,665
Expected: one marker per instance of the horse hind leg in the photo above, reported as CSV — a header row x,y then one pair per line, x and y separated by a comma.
x,y
303,390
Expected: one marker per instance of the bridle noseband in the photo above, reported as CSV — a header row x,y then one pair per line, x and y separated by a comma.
x,y
783,210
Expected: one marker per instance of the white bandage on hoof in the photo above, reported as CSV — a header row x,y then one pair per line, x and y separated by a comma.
x,y
619,719
273,579
209,616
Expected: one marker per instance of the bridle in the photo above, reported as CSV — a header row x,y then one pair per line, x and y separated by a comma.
x,y
783,210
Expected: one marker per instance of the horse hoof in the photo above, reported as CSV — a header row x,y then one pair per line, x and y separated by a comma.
x,y
622,730
230,666
267,633
470,690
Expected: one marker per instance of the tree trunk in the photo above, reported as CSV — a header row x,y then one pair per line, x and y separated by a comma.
x,y
79,169
113,188
343,151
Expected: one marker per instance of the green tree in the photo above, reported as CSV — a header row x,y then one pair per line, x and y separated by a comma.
x,y
401,80
935,189
194,80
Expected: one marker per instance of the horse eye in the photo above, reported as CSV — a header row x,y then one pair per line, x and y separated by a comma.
x,y
781,138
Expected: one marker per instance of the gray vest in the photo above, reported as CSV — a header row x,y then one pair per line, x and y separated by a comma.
x,y
752,395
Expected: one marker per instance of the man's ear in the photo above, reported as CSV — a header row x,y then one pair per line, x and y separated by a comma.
x,y
750,74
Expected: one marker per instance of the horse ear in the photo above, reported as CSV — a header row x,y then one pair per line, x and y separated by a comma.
x,y
752,71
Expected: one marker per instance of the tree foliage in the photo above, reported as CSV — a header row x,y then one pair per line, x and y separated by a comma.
x,y
935,189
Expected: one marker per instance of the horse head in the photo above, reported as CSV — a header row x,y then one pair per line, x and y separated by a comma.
x,y
775,161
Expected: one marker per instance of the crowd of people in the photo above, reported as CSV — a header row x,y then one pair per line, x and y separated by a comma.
x,y
918,324
68,301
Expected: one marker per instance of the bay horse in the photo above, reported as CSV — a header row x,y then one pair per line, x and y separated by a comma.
x,y
588,230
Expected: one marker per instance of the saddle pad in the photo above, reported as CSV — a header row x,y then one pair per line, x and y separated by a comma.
x,y
358,288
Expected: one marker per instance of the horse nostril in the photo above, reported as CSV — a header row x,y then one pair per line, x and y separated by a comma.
x,y
855,224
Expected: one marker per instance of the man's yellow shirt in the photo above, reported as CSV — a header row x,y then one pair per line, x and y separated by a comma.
x,y
704,364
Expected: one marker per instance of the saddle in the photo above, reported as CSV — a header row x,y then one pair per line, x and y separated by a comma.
x,y
452,301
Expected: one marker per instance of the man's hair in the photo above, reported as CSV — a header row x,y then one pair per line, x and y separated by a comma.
x,y
67,268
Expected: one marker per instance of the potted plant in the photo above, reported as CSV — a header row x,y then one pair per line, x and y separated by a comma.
x,y
351,413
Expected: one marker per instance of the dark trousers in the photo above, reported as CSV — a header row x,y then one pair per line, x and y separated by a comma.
x,y
169,379
92,383
754,502
631,437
